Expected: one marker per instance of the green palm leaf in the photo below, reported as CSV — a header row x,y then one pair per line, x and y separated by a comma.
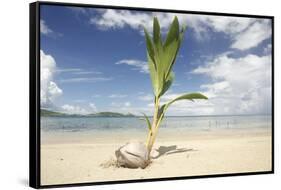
x,y
168,83
161,58
173,58
169,57
173,32
153,75
190,96
150,48
147,121
157,36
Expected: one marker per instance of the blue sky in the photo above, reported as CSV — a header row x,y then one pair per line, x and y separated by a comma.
x,y
95,60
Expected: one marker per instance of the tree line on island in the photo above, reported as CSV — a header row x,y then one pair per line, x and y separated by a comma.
x,y
49,113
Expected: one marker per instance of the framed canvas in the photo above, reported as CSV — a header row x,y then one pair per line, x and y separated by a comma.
x,y
122,94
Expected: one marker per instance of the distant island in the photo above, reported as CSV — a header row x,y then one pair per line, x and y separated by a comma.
x,y
48,113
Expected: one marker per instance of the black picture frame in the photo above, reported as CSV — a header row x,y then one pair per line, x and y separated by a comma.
x,y
34,93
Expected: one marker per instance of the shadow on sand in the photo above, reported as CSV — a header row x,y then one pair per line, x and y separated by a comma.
x,y
173,149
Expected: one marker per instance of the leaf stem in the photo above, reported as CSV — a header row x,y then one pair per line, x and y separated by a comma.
x,y
153,131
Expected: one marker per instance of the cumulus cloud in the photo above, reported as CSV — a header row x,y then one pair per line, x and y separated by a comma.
x,y
93,107
120,18
238,85
138,65
116,19
244,33
49,89
70,109
253,35
76,109
229,25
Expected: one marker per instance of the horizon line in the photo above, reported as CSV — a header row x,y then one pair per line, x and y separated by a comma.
x,y
215,115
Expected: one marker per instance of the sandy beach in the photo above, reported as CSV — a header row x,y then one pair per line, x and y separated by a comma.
x,y
85,157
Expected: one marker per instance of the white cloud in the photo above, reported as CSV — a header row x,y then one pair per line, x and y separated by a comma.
x,y
44,29
78,10
114,19
76,109
117,96
170,96
82,75
70,109
85,79
47,31
53,90
138,65
120,18
127,107
87,73
93,107
136,20
244,33
68,70
253,35
217,87
185,107
120,104
127,104
238,85
146,97
77,71
49,90
228,25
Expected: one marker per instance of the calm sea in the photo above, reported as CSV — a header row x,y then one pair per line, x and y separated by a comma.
x,y
84,124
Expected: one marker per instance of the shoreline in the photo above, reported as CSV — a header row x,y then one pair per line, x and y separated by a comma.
x,y
167,134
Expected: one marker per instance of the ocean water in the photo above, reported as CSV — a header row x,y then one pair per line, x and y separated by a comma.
x,y
96,124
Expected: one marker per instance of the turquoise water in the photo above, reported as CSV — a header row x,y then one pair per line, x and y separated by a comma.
x,y
84,124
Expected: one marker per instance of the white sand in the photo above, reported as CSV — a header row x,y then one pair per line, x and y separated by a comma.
x,y
77,159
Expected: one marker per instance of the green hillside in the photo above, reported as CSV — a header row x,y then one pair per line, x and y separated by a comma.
x,y
48,113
